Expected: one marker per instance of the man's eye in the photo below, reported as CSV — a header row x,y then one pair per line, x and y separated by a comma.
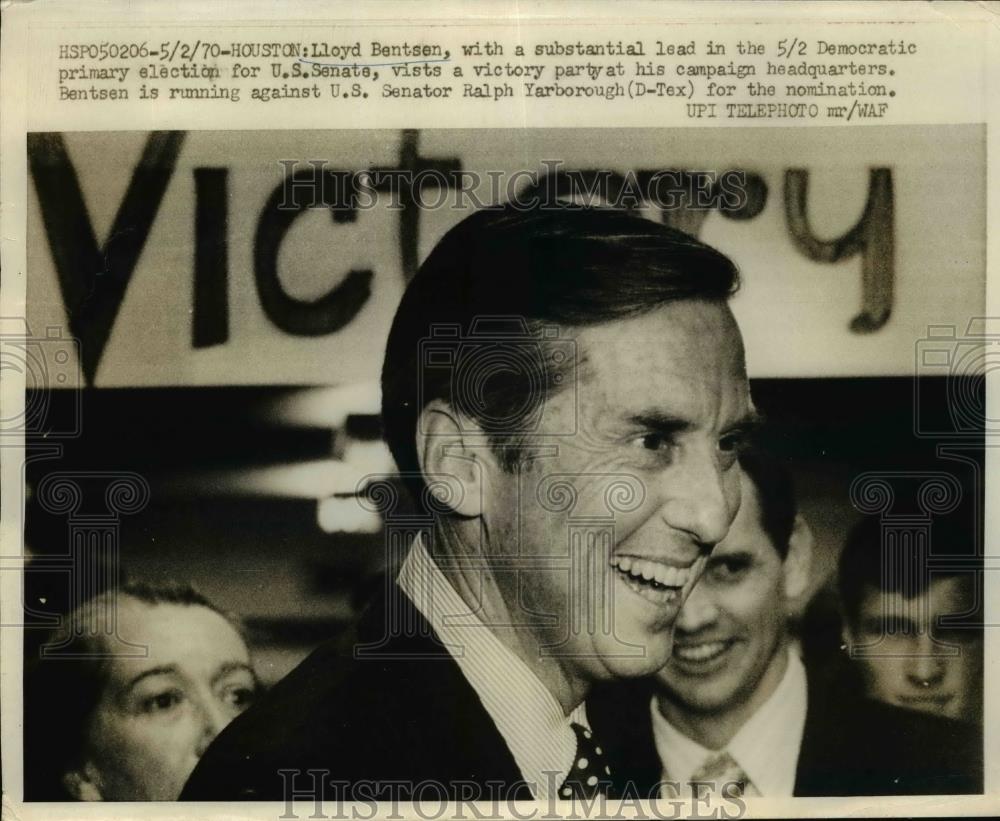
x,y
652,441
240,697
952,635
732,442
730,447
890,626
726,569
161,702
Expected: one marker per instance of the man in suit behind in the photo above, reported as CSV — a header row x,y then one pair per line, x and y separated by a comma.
x,y
735,706
564,392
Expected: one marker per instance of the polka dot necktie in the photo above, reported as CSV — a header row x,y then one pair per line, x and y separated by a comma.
x,y
590,773
718,771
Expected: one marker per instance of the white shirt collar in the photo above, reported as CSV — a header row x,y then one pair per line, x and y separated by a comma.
x,y
527,715
766,747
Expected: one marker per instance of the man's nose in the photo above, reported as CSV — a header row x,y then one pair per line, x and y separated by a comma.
x,y
699,611
926,668
214,715
698,500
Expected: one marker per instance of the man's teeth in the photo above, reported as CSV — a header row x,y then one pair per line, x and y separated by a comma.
x,y
661,574
699,652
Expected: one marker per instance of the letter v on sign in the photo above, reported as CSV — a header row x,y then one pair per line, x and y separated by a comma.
x,y
93,279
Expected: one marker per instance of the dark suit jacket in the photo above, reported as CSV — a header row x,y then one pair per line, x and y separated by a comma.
x,y
851,745
402,712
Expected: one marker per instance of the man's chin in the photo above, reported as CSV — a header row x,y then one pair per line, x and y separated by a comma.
x,y
635,659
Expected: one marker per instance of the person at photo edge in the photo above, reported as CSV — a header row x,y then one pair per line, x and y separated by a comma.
x,y
125,716
468,674
922,663
735,705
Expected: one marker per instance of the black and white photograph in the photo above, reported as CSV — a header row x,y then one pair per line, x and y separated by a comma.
x,y
618,470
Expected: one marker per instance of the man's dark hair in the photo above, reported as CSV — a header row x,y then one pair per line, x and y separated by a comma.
x,y
776,496
61,691
555,267
863,563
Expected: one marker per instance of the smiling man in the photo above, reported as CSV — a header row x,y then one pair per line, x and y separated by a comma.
x,y
564,392
734,711
733,682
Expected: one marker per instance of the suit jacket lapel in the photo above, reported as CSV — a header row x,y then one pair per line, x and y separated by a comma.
x,y
828,753
620,716
442,715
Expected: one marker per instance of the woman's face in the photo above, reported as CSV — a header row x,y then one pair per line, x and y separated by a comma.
x,y
158,713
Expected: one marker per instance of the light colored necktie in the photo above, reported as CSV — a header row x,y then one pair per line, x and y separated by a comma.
x,y
718,771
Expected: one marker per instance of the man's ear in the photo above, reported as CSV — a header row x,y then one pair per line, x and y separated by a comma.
x,y
82,783
799,559
451,465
